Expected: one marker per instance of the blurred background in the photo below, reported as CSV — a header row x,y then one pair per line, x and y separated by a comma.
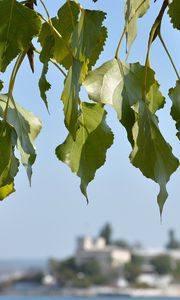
x,y
44,221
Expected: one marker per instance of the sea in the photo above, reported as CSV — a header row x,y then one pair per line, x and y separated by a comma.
x,y
85,298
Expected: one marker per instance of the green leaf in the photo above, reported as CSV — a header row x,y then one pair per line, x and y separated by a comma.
x,y
84,40
155,98
44,85
99,47
120,85
88,152
27,127
18,25
8,162
151,154
1,85
64,24
174,13
174,94
87,33
134,9
53,44
68,17
70,95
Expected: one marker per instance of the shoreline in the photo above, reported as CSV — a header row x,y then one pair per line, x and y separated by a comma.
x,y
170,291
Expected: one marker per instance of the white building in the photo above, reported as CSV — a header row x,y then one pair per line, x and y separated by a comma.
x,y
110,258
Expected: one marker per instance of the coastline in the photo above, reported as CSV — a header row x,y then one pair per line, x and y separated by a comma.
x,y
169,291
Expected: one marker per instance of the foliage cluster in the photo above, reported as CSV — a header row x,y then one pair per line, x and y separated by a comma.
x,y
73,41
68,273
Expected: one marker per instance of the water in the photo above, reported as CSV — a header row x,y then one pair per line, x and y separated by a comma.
x,y
84,298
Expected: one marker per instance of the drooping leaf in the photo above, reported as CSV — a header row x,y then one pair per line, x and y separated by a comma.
x,y
174,13
88,152
83,42
120,85
44,85
45,56
27,127
18,25
151,154
8,162
87,33
134,9
174,94
70,95
58,44
1,85
99,47
30,55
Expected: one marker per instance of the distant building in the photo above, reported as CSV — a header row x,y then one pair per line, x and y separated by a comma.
x,y
110,258
149,254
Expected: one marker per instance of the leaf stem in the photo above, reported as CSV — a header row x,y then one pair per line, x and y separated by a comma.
x,y
168,54
47,12
147,62
119,44
12,80
155,31
53,62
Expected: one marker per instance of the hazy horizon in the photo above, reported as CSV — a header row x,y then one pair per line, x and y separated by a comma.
x,y
44,220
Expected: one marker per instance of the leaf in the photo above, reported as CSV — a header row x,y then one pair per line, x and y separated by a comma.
x,y
174,94
30,55
120,85
53,45
27,127
1,85
70,95
155,98
151,154
99,47
44,85
6,190
58,45
134,9
174,12
83,42
68,17
19,25
87,33
8,162
88,152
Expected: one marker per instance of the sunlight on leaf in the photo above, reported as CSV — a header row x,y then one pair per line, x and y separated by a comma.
x,y
27,127
119,84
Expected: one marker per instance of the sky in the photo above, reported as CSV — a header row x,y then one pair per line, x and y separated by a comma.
x,y
44,221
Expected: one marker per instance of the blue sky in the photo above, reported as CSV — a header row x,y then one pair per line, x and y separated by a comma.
x,y
44,220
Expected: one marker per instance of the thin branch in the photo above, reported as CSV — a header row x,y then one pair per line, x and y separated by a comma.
x,y
119,44
168,54
53,62
47,12
12,80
